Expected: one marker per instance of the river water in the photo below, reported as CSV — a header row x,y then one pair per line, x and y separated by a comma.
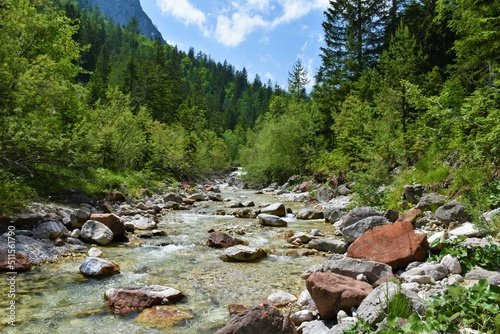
x,y
56,298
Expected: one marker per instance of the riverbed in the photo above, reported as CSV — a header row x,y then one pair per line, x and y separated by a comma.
x,y
56,298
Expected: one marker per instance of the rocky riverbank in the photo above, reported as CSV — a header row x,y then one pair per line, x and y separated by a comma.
x,y
369,250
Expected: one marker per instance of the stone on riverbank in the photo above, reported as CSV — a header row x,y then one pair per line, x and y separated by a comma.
x,y
395,244
21,262
350,267
97,232
51,229
332,293
357,229
163,317
262,319
332,245
309,214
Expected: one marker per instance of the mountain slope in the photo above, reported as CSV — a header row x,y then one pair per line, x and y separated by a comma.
x,y
121,11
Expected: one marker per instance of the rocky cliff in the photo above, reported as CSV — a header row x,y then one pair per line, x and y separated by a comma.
x,y
121,11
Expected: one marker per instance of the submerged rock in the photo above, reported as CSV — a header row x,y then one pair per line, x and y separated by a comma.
x,y
223,240
242,253
96,267
163,317
271,220
133,299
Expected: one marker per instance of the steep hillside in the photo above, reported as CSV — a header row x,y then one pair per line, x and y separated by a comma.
x,y
121,11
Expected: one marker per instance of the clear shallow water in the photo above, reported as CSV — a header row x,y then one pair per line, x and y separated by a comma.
x,y
56,298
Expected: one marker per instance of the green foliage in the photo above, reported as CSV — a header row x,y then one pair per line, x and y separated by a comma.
x,y
470,256
476,307
14,193
112,135
282,143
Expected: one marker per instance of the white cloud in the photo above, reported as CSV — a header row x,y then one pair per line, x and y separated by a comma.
x,y
295,9
232,31
183,10
243,17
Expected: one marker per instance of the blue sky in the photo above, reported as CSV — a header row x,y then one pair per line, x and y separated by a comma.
x,y
264,36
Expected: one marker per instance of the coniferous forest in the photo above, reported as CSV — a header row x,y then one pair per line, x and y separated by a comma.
x,y
407,92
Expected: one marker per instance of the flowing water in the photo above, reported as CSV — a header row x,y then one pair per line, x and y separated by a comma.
x,y
56,298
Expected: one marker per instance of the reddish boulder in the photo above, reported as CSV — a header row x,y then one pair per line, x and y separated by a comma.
x,y
16,263
262,319
112,221
129,300
396,245
332,292
223,240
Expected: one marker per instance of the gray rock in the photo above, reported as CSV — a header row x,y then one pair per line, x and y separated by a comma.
x,y
79,217
325,194
308,213
357,229
98,268
430,202
357,214
242,253
306,302
412,193
277,209
94,252
333,245
435,270
333,214
96,232
38,251
466,229
140,222
339,328
172,197
353,267
488,216
51,229
452,212
494,279
452,264
281,298
479,273
301,316
313,327
373,308
343,190
271,220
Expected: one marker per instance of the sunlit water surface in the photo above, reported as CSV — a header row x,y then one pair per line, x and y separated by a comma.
x,y
56,298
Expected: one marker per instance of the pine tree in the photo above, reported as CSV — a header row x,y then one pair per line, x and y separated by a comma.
x,y
354,37
297,80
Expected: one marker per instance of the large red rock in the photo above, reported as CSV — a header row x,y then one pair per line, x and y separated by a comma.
x,y
396,245
332,292
262,319
112,221
16,263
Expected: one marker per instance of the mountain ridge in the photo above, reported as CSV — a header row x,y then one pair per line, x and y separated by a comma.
x,y
122,11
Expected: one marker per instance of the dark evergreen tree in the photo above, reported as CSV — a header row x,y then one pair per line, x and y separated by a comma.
x,y
298,80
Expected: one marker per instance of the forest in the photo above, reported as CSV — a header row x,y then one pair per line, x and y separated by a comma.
x,y
407,92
